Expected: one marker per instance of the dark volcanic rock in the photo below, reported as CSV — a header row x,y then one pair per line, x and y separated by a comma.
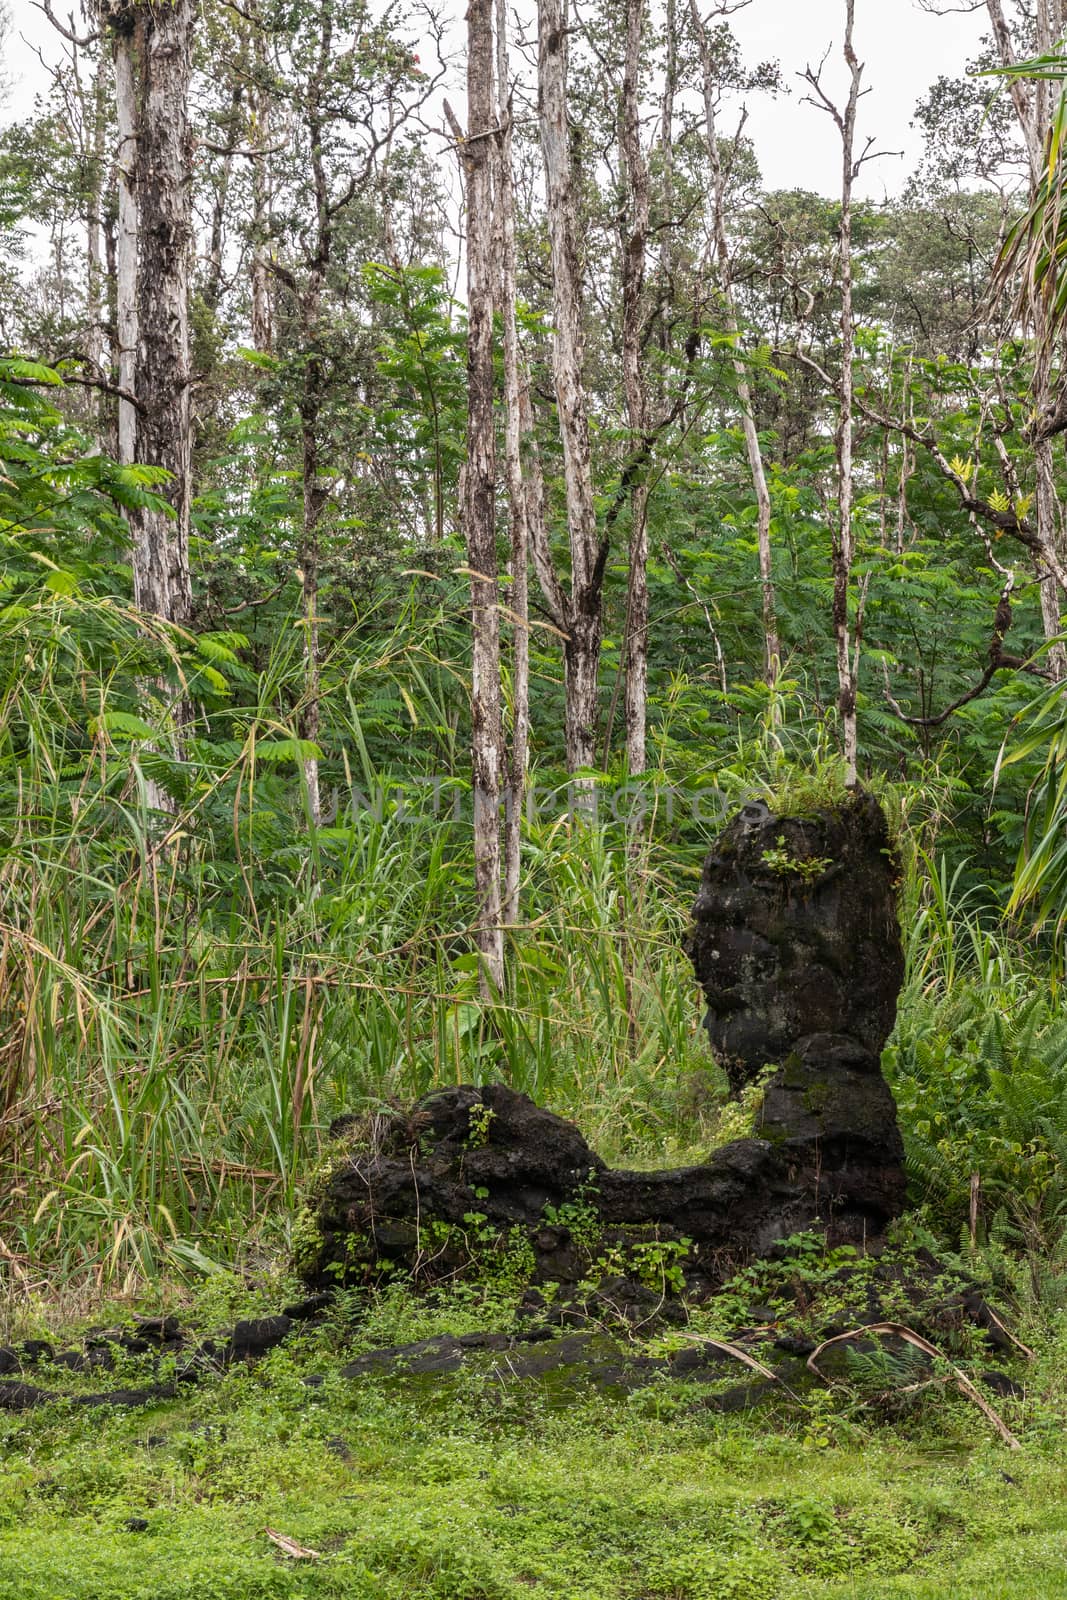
x,y
796,934
315,1305
573,1360
34,1350
797,946
22,1396
256,1336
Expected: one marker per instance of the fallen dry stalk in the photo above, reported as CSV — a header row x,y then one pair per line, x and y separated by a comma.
x,y
289,1547
748,1360
961,1380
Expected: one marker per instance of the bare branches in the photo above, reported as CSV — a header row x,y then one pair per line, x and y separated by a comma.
x,y
67,33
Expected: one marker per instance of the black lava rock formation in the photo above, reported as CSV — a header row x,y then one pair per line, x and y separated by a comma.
x,y
796,944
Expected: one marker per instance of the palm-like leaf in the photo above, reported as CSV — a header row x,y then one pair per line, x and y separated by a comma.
x,y
1032,255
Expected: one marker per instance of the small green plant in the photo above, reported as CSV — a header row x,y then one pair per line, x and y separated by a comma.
x,y
659,1263
479,1119
579,1216
785,865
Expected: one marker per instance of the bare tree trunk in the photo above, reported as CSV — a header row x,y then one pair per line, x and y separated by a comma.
x,y
753,451
670,90
316,494
152,54
153,62
517,491
96,270
842,538
262,301
314,503
582,619
213,281
634,245
479,493
1046,501
124,48
843,438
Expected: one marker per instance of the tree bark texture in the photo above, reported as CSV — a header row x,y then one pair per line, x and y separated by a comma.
x,y
843,548
259,131
581,619
152,52
1033,109
517,488
479,492
96,264
634,247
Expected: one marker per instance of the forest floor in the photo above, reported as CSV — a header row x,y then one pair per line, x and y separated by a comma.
x,y
283,1479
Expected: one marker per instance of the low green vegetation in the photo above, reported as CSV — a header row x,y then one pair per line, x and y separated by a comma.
x,y
474,1486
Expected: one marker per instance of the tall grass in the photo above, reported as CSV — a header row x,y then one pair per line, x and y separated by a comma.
x,y
188,999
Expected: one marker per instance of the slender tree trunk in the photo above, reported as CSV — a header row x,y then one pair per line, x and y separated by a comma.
x,y
125,47
843,438
588,553
311,403
261,282
517,491
1048,514
1047,508
213,279
152,55
152,47
96,268
753,451
314,502
479,493
670,90
634,246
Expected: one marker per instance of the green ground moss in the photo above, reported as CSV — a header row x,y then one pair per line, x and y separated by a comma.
x,y
416,1488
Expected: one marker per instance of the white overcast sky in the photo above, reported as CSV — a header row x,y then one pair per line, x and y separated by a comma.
x,y
904,48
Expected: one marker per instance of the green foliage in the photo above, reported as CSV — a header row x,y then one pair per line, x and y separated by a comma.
x,y
468,1485
784,865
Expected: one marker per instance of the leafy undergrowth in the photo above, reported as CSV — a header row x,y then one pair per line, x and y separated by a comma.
x,y
464,1488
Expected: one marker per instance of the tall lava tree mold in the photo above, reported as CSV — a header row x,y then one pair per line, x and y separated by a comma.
x,y
796,944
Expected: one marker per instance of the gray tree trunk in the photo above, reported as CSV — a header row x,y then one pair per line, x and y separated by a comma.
x,y
843,548
260,132
582,617
479,493
634,247
517,489
152,52
96,348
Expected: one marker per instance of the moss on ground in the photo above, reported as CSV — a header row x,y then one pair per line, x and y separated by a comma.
x,y
456,1489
